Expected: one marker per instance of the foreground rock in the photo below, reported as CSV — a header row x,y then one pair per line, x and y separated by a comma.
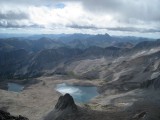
x,y
66,102
65,106
66,109
7,116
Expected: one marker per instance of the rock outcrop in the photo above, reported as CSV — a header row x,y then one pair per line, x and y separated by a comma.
x,y
7,116
65,102
139,116
64,107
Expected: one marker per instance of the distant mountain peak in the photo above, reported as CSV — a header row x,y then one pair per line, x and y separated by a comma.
x,y
106,34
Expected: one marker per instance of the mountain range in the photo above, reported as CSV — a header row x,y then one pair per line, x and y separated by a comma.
x,y
126,71
24,57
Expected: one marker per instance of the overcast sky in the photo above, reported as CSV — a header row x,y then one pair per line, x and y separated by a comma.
x,y
116,17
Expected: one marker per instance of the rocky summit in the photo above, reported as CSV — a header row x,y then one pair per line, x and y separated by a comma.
x,y
65,102
64,107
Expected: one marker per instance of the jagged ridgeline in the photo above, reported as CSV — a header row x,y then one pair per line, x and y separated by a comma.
x,y
24,57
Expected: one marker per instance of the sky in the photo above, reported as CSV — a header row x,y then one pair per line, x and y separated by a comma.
x,y
116,17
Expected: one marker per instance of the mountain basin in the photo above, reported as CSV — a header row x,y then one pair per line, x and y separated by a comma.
x,y
15,87
81,94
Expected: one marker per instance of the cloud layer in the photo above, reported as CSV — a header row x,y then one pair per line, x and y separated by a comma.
x,y
140,16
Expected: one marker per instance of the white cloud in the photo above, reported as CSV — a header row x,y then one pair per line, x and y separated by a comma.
x,y
82,15
72,14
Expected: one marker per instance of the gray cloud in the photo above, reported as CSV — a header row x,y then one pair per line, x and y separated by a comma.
x,y
11,15
123,10
76,26
134,29
130,13
29,2
123,29
13,19
11,24
145,10
18,24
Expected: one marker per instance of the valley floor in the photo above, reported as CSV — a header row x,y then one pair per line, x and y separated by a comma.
x,y
35,101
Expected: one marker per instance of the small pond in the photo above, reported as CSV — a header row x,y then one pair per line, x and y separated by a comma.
x,y
15,87
81,94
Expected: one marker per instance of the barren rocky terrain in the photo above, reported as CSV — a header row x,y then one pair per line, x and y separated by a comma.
x,y
35,101
127,79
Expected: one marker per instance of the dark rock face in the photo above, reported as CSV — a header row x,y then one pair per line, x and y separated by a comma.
x,y
7,116
154,83
64,108
64,102
140,115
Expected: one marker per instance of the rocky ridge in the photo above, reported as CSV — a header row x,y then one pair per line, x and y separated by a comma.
x,y
7,116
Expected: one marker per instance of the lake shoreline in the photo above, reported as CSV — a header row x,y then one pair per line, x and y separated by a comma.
x,y
80,93
26,83
37,95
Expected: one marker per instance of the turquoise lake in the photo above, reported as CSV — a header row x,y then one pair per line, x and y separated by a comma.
x,y
81,94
